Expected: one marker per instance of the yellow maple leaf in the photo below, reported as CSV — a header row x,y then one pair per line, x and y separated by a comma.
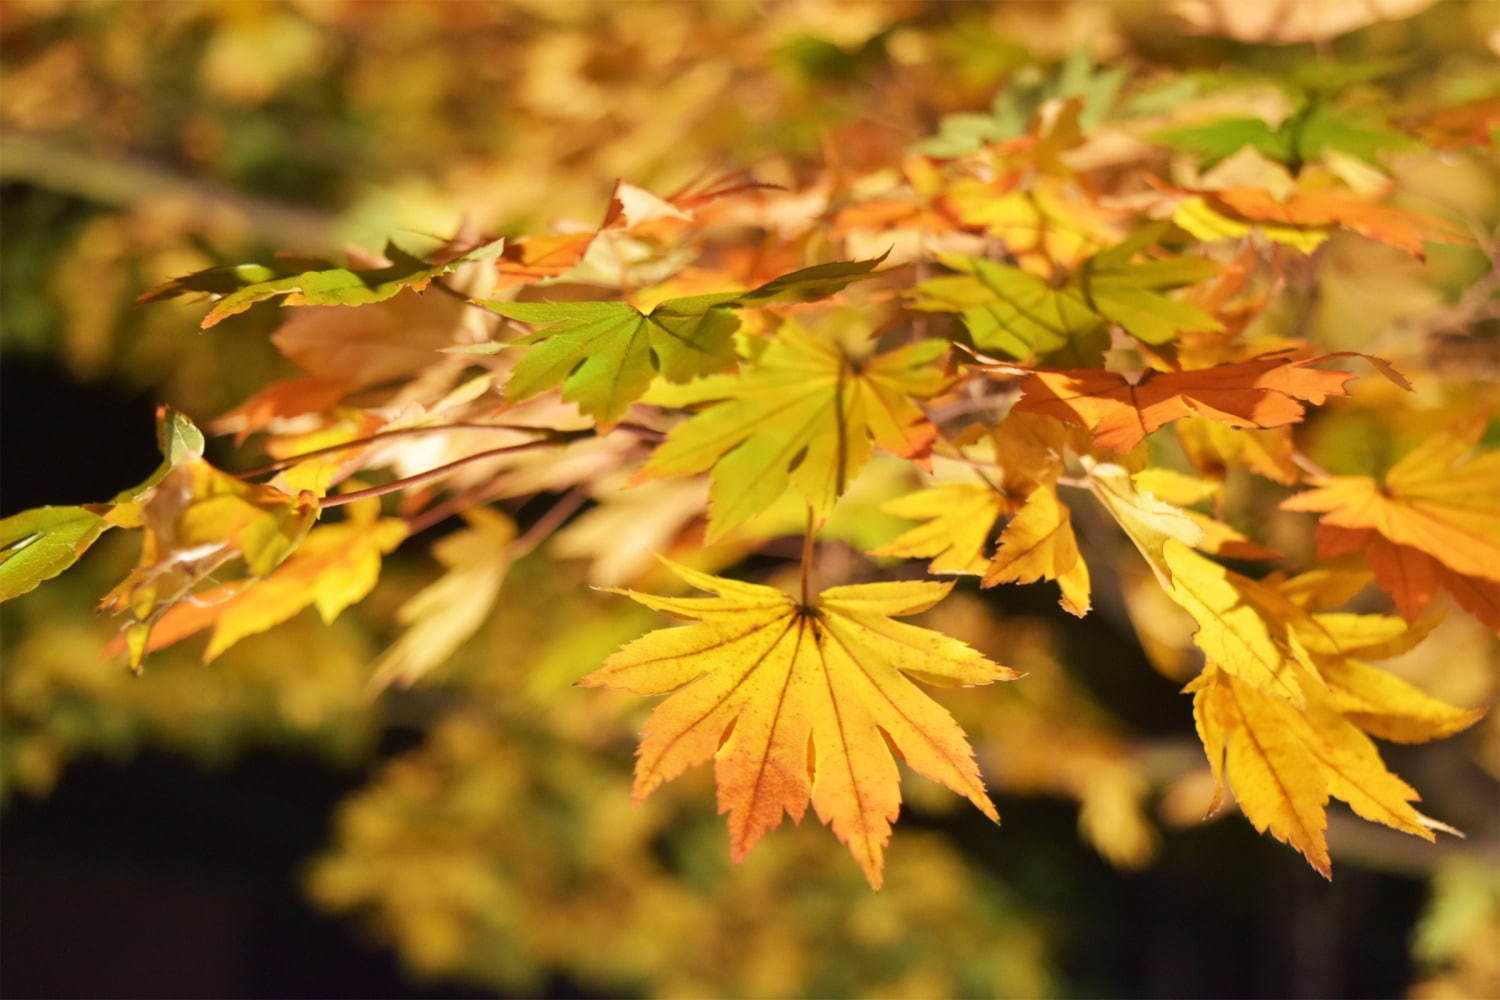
x,y
336,566
1038,544
796,703
1281,707
1284,763
805,415
959,519
443,615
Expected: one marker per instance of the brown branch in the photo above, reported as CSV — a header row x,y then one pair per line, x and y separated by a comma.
x,y
549,522
546,435
421,477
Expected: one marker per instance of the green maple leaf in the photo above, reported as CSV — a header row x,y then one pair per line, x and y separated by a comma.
x,y
1020,314
1306,135
38,544
805,416
606,354
312,282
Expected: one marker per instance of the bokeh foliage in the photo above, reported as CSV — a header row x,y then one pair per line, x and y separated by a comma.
x,y
146,140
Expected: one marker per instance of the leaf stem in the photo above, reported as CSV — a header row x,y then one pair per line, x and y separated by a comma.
x,y
808,538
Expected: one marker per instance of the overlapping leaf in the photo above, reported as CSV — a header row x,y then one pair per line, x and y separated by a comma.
x,y
196,520
1308,134
1306,218
38,544
1038,542
1023,315
605,354
1433,521
335,566
1282,699
312,282
796,703
1285,763
1269,391
806,415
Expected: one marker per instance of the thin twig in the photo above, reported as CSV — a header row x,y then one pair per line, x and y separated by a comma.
x,y
1308,466
549,522
290,460
421,477
459,502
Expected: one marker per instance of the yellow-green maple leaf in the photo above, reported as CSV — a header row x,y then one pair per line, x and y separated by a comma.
x,y
806,415
795,703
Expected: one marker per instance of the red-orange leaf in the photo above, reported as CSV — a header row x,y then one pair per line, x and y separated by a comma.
x,y
1269,391
1317,209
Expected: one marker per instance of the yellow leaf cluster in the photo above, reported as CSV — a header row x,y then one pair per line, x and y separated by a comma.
x,y
1283,704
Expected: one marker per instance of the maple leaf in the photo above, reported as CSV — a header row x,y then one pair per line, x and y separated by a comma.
x,y
1016,104
1305,135
1039,543
38,544
1306,218
537,258
959,518
306,281
1267,391
1048,223
605,354
1278,679
796,703
198,519
335,566
1214,448
1284,764
1433,520
804,415
447,612
1010,310
358,347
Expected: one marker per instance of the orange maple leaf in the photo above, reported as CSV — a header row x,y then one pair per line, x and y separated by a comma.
x,y
1317,209
800,703
1268,391
1434,521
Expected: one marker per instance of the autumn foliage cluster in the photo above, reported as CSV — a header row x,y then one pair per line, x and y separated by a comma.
x,y
1077,338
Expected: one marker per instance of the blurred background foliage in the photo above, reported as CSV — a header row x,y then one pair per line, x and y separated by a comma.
x,y
479,825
